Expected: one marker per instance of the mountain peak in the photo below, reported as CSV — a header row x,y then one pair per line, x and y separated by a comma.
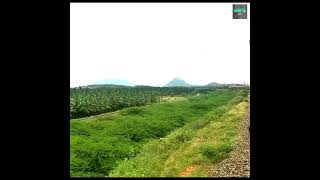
x,y
178,82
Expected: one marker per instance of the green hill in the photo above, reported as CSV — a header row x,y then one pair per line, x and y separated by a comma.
x,y
213,84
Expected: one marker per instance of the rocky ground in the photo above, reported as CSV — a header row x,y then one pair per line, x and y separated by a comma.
x,y
238,162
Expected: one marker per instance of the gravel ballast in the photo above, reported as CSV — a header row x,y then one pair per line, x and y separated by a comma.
x,y
237,164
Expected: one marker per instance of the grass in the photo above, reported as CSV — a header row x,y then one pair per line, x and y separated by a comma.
x,y
127,141
192,145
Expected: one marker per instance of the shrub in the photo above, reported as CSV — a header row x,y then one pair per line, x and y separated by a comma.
x,y
214,154
183,137
209,152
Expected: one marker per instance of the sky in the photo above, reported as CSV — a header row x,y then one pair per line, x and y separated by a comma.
x,y
152,43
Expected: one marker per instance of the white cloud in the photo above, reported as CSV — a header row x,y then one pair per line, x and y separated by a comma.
x,y
152,43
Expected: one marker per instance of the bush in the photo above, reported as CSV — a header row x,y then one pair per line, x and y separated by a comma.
x,y
209,152
183,137
213,153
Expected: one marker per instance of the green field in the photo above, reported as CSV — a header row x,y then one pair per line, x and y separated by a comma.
x,y
160,139
94,100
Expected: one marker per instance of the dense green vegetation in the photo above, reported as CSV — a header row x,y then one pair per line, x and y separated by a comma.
x,y
100,144
198,144
93,100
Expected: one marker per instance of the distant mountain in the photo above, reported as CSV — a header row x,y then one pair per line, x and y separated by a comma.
x,y
178,82
213,84
94,86
113,82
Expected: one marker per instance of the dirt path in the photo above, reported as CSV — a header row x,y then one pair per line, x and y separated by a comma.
x,y
238,162
187,171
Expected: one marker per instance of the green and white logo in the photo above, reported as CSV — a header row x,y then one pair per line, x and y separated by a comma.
x,y
239,11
